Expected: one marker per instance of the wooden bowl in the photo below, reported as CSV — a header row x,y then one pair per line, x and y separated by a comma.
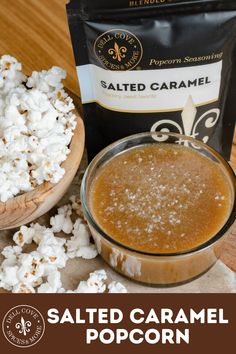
x,y
29,206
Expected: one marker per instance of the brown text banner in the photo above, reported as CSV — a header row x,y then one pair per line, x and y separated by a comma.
x,y
166,323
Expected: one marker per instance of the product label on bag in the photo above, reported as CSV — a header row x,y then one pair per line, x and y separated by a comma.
x,y
156,66
157,90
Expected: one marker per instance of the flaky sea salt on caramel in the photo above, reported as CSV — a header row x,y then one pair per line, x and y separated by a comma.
x,y
161,198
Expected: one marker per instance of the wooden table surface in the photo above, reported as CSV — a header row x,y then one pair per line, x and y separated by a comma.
x,y
37,34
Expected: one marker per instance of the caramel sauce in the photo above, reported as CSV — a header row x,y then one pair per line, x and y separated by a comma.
x,y
160,198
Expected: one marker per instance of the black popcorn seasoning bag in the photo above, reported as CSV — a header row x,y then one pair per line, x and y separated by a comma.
x,y
152,65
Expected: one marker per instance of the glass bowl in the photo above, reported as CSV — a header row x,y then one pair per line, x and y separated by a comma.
x,y
154,268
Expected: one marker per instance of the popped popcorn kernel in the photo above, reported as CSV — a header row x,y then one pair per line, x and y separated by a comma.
x,y
36,124
116,288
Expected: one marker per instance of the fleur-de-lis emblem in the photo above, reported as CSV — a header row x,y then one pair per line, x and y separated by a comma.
x,y
190,127
23,326
118,53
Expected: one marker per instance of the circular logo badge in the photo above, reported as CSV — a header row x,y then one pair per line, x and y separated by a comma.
x,y
23,326
118,49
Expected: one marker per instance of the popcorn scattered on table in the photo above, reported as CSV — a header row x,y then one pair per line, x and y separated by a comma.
x,y
53,283
23,288
62,221
24,236
38,271
117,288
96,284
36,127
80,245
76,206
97,278
20,272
